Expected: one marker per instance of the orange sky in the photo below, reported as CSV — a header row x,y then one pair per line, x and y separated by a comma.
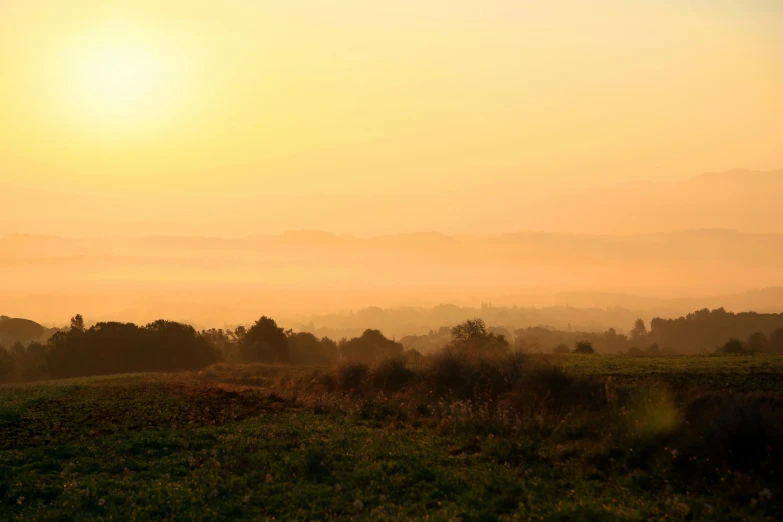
x,y
197,101
474,119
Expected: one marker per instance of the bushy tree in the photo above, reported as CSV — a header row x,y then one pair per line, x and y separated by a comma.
x,y
371,346
224,341
776,341
307,349
470,331
77,323
472,337
583,347
113,347
6,365
265,342
703,330
639,329
732,346
30,361
757,342
179,346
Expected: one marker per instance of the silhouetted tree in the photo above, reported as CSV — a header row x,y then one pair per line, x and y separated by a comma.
x,y
240,332
471,336
77,323
757,342
413,359
583,347
179,346
307,349
371,346
613,342
732,346
704,329
639,329
29,361
776,341
113,347
469,331
265,342
225,342
6,365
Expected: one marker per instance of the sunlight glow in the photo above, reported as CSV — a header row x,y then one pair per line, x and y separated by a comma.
x,y
118,78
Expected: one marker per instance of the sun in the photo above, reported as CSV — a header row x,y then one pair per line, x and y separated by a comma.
x,y
118,77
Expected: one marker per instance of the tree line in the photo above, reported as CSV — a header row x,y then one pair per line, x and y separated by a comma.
x,y
168,346
701,332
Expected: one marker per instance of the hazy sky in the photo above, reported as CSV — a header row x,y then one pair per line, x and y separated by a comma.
x,y
195,103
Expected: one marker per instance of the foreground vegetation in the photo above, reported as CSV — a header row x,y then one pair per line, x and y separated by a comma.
x,y
577,437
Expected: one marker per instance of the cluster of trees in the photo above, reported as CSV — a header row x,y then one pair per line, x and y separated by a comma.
x,y
112,347
584,347
472,337
703,331
544,340
406,320
756,342
267,342
109,347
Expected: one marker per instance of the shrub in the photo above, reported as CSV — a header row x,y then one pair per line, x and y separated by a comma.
x,y
351,376
561,348
634,350
413,359
757,342
307,349
446,373
486,381
371,346
467,376
732,346
318,381
736,433
390,375
583,347
551,386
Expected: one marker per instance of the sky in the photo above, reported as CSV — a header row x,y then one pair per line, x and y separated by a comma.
x,y
602,129
200,103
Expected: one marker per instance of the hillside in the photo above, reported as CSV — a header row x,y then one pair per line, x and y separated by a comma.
x,y
13,330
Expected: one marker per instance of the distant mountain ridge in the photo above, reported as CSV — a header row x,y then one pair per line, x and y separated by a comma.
x,y
741,176
212,280
740,199
16,330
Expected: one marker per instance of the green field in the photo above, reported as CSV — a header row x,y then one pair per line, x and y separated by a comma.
x,y
259,442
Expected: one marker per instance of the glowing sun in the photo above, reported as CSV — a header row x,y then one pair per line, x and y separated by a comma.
x,y
119,78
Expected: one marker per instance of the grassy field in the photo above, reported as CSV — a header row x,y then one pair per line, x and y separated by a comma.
x,y
257,442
